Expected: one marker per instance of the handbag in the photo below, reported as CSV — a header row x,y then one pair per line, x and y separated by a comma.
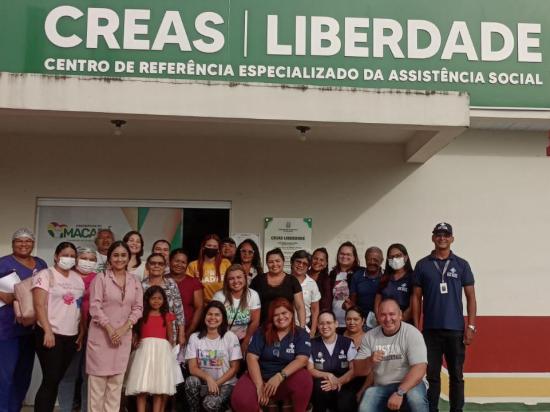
x,y
23,305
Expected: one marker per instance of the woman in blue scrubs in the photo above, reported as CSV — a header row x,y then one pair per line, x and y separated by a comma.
x,y
16,341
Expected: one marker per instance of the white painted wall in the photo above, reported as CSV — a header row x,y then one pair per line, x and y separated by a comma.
x,y
492,186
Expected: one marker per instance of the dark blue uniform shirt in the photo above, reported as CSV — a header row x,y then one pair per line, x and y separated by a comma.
x,y
443,310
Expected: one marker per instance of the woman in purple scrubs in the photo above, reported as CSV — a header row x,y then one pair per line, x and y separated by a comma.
x,y
16,341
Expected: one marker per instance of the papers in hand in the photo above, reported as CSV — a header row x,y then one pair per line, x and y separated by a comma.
x,y
7,283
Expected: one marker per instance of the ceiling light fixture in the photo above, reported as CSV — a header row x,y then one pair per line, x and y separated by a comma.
x,y
303,130
118,123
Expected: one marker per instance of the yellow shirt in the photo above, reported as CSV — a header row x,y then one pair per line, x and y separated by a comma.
x,y
209,278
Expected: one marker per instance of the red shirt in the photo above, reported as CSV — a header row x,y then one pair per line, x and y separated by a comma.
x,y
154,327
86,298
187,286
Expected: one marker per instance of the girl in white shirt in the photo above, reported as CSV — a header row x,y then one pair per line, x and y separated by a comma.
x,y
213,354
136,266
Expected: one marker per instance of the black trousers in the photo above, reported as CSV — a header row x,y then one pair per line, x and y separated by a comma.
x,y
181,404
344,400
449,344
54,363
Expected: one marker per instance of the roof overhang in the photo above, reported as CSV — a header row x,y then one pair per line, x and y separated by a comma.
x,y
423,121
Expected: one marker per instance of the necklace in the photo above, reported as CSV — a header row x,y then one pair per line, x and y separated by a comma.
x,y
122,286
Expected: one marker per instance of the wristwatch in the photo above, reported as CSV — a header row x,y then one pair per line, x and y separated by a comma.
x,y
283,374
400,392
472,328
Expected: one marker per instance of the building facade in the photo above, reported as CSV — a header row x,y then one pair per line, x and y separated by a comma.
x,y
414,113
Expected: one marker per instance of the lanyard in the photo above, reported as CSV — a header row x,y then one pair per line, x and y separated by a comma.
x,y
444,269
234,317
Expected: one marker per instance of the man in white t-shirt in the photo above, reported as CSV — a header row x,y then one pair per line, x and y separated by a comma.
x,y
396,354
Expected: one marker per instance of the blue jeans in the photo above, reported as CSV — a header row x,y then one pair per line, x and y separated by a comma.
x,y
66,391
15,371
376,398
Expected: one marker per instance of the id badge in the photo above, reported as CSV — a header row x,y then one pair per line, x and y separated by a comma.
x,y
443,288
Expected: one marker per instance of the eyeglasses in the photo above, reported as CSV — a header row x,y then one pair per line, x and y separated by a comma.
x,y
247,252
155,263
301,263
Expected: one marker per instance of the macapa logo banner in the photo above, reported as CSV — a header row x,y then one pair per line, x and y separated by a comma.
x,y
78,231
493,49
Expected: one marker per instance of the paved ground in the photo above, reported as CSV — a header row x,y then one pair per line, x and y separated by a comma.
x,y
470,407
499,407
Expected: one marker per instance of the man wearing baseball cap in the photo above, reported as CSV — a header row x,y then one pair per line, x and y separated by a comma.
x,y
439,279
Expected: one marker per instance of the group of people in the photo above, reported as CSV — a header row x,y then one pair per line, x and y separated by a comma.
x,y
220,332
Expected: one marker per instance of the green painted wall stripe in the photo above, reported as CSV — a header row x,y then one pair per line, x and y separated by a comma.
x,y
142,215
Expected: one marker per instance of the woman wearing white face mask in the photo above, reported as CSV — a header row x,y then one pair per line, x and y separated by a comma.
x,y
397,280
57,296
86,266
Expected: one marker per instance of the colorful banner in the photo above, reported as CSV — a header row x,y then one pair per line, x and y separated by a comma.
x,y
79,224
494,50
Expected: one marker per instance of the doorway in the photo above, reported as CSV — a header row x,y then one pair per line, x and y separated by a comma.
x,y
198,223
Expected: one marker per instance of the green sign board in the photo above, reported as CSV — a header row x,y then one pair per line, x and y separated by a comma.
x,y
493,49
